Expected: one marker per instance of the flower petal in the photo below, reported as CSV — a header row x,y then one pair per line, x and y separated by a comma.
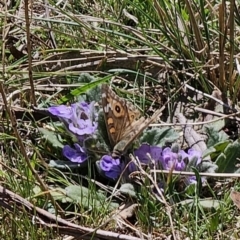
x,y
193,154
141,153
82,122
111,167
156,153
61,111
169,158
74,155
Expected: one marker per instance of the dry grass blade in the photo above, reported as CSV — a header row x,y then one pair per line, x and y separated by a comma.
x,y
232,76
196,29
29,47
221,47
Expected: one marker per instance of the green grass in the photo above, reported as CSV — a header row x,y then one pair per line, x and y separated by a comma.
x,y
148,50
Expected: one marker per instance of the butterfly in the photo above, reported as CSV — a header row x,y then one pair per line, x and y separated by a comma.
x,y
123,121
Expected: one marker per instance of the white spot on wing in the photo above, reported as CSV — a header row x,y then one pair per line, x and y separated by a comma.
x,y
107,107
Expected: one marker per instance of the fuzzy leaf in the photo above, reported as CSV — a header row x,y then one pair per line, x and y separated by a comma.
x,y
219,124
208,152
65,165
99,169
219,148
209,203
206,204
159,136
85,78
94,94
88,198
227,160
51,137
215,136
59,194
192,163
208,167
102,129
128,189
95,146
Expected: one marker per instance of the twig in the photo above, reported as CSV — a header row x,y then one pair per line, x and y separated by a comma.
x,y
223,116
51,221
218,175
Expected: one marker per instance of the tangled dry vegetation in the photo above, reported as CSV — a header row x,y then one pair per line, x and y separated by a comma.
x,y
180,55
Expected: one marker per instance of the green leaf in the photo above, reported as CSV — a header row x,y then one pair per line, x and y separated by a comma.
x,y
208,152
208,167
88,198
209,203
215,136
159,136
95,145
204,203
85,78
94,94
227,160
219,148
103,129
51,137
66,165
83,89
59,194
99,169
128,188
190,189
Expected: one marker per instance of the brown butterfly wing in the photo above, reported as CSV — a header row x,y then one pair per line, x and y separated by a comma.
x,y
133,132
119,114
121,120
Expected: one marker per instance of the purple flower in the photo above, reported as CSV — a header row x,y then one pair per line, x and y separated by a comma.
x,y
194,154
155,153
76,154
79,118
167,159
61,111
193,180
180,164
194,158
82,120
112,168
172,160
